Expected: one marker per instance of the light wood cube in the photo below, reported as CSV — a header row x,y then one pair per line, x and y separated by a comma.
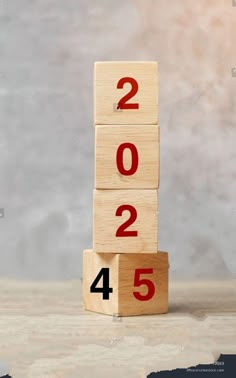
x,y
123,285
125,93
127,157
125,221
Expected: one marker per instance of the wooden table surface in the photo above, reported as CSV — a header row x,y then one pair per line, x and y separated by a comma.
x,y
44,331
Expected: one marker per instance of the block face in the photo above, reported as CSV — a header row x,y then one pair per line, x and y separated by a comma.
x,y
147,277
127,157
125,221
92,265
130,86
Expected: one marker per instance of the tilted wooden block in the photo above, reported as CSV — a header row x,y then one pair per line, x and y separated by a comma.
x,y
125,221
123,285
125,93
127,157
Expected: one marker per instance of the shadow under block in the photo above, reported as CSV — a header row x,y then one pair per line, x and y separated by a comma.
x,y
138,81
127,157
125,221
139,283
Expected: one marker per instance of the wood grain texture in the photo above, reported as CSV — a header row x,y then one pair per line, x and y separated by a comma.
x,y
145,138
107,96
92,264
122,301
106,223
128,304
45,332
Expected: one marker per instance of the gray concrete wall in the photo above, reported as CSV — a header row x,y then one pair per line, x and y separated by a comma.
x,y
47,51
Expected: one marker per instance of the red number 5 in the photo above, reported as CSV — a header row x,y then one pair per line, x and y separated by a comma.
x,y
144,281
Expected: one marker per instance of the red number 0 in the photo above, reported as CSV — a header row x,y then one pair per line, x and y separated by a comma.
x,y
122,104
133,216
138,282
119,159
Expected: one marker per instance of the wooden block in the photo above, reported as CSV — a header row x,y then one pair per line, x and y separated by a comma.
x,y
130,284
125,93
125,221
127,157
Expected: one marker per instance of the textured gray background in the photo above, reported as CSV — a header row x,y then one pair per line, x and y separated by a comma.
x,y
47,51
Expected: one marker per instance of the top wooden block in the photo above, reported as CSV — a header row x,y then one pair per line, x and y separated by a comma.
x,y
125,93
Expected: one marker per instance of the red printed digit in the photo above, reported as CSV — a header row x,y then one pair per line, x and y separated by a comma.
x,y
122,104
133,216
134,159
144,281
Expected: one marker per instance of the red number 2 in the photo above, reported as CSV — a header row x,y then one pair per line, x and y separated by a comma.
x,y
144,281
133,216
122,104
120,162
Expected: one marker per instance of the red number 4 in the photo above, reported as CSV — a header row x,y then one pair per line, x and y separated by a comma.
x,y
144,281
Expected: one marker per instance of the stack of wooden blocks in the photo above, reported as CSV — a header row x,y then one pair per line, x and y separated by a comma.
x,y
125,274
